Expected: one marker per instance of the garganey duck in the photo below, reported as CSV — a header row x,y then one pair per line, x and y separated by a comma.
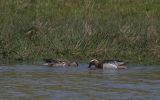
x,y
60,63
112,64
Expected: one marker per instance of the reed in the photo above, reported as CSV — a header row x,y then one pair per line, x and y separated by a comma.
x,y
80,29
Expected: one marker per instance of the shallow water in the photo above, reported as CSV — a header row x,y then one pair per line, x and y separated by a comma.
x,y
35,82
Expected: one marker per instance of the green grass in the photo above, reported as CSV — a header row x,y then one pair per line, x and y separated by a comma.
x,y
80,29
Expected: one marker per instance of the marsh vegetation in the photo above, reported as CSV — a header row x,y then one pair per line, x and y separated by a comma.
x,y
81,29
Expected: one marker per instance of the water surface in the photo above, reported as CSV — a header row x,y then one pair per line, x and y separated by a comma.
x,y
36,82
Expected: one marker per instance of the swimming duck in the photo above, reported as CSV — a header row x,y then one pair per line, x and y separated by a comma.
x,y
59,63
113,64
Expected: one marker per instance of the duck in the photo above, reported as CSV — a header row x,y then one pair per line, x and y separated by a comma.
x,y
107,64
60,63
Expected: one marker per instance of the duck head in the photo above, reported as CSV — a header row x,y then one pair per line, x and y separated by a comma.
x,y
95,63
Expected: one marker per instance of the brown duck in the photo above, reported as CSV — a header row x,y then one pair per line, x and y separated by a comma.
x,y
60,63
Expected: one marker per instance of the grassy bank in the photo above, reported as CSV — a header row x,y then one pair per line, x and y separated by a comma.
x,y
80,29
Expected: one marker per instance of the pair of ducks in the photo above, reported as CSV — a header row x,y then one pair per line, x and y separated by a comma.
x,y
94,63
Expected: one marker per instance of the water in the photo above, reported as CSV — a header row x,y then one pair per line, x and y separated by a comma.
x,y
35,82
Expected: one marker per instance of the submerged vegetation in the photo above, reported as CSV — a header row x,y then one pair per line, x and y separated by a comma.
x,y
80,29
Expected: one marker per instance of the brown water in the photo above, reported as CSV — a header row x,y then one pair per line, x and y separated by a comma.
x,y
34,82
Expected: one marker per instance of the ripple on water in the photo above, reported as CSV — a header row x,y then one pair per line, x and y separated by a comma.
x,y
41,83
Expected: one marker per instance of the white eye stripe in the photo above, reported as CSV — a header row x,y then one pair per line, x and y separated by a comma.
x,y
94,60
